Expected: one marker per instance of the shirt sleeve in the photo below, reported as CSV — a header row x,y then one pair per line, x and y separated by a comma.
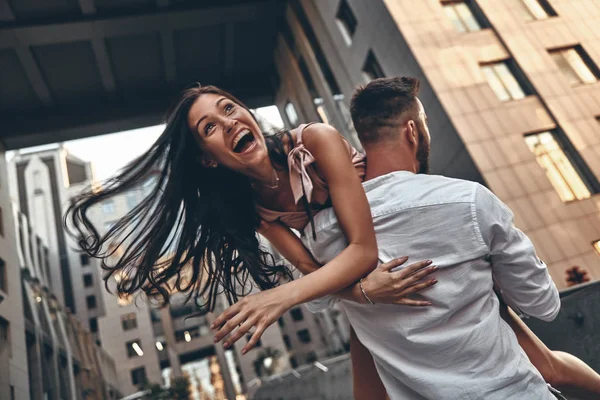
x,y
321,304
523,279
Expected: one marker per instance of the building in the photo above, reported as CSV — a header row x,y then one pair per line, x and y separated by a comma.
x,y
510,88
14,380
42,182
45,352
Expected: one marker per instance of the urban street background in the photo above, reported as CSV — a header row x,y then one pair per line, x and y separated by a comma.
x,y
512,92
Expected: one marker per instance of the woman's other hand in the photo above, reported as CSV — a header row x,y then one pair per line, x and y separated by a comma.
x,y
386,287
258,310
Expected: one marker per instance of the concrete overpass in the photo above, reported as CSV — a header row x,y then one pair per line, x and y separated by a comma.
x,y
76,68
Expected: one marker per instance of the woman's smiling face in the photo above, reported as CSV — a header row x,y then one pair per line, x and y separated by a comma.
x,y
228,133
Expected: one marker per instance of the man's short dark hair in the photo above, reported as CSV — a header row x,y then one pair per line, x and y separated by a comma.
x,y
382,105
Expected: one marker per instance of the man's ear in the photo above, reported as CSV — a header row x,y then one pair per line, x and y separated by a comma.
x,y
411,132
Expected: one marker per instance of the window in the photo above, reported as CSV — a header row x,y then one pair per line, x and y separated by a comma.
x,y
128,321
297,314
576,65
371,69
502,81
3,330
88,280
311,357
3,278
535,9
134,348
293,362
461,15
288,344
281,322
346,22
187,334
292,115
108,207
91,302
1,223
138,376
558,166
596,245
93,325
84,259
317,99
304,336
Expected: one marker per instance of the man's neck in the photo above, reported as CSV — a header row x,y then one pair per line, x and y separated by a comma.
x,y
385,158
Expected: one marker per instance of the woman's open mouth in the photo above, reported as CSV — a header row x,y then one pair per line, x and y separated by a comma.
x,y
243,141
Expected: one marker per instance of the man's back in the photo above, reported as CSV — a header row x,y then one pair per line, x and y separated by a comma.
x,y
459,348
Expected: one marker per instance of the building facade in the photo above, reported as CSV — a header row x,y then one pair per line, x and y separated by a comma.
x,y
45,352
42,183
510,89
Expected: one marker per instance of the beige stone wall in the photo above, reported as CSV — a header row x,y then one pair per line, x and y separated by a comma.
x,y
493,130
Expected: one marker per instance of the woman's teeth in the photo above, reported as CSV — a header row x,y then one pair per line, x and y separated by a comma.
x,y
240,136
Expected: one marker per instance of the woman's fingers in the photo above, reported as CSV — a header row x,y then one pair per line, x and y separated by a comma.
x,y
416,288
229,326
412,268
254,339
417,276
239,333
226,315
388,266
413,303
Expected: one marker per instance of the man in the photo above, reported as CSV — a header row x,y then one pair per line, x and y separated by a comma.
x,y
458,348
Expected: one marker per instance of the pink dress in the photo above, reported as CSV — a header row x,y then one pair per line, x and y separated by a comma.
x,y
305,180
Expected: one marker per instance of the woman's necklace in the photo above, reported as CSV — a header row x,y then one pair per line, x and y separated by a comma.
x,y
274,182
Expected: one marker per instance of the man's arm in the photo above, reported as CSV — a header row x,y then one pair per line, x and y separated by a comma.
x,y
522,277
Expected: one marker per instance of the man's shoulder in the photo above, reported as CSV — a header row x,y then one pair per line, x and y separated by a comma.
x,y
422,189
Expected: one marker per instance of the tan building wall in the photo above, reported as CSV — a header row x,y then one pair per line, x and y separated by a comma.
x,y
493,131
475,135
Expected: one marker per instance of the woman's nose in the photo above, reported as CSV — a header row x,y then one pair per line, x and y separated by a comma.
x,y
229,125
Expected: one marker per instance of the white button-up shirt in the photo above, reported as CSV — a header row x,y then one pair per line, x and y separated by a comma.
x,y
458,348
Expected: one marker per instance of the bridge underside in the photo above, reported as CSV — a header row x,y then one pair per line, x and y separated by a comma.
x,y
76,68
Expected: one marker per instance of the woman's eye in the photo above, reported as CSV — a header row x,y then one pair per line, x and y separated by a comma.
x,y
208,128
228,108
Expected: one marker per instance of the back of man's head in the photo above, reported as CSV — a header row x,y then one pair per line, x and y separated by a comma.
x,y
382,106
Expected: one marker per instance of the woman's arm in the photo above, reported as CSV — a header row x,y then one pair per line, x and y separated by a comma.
x,y
357,260
381,285
289,246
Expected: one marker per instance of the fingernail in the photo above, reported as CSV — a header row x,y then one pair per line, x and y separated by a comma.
x,y
435,268
434,281
244,351
215,340
226,345
428,303
212,326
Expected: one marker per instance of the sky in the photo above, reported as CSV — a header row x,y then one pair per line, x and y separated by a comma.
x,y
109,153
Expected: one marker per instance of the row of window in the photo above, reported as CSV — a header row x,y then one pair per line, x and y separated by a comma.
x,y
464,15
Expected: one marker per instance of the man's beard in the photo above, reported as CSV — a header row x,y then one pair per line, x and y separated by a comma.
x,y
423,153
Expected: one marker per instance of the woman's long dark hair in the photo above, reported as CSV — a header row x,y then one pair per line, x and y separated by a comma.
x,y
201,220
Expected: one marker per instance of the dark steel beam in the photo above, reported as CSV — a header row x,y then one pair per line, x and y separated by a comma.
x,y
6,13
38,35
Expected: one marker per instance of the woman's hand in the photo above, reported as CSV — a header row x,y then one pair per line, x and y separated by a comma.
x,y
258,310
386,287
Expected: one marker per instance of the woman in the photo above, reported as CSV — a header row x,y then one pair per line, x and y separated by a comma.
x,y
220,181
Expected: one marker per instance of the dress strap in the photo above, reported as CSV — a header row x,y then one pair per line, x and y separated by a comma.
x,y
298,159
299,134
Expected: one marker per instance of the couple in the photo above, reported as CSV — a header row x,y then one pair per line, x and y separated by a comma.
x,y
220,180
